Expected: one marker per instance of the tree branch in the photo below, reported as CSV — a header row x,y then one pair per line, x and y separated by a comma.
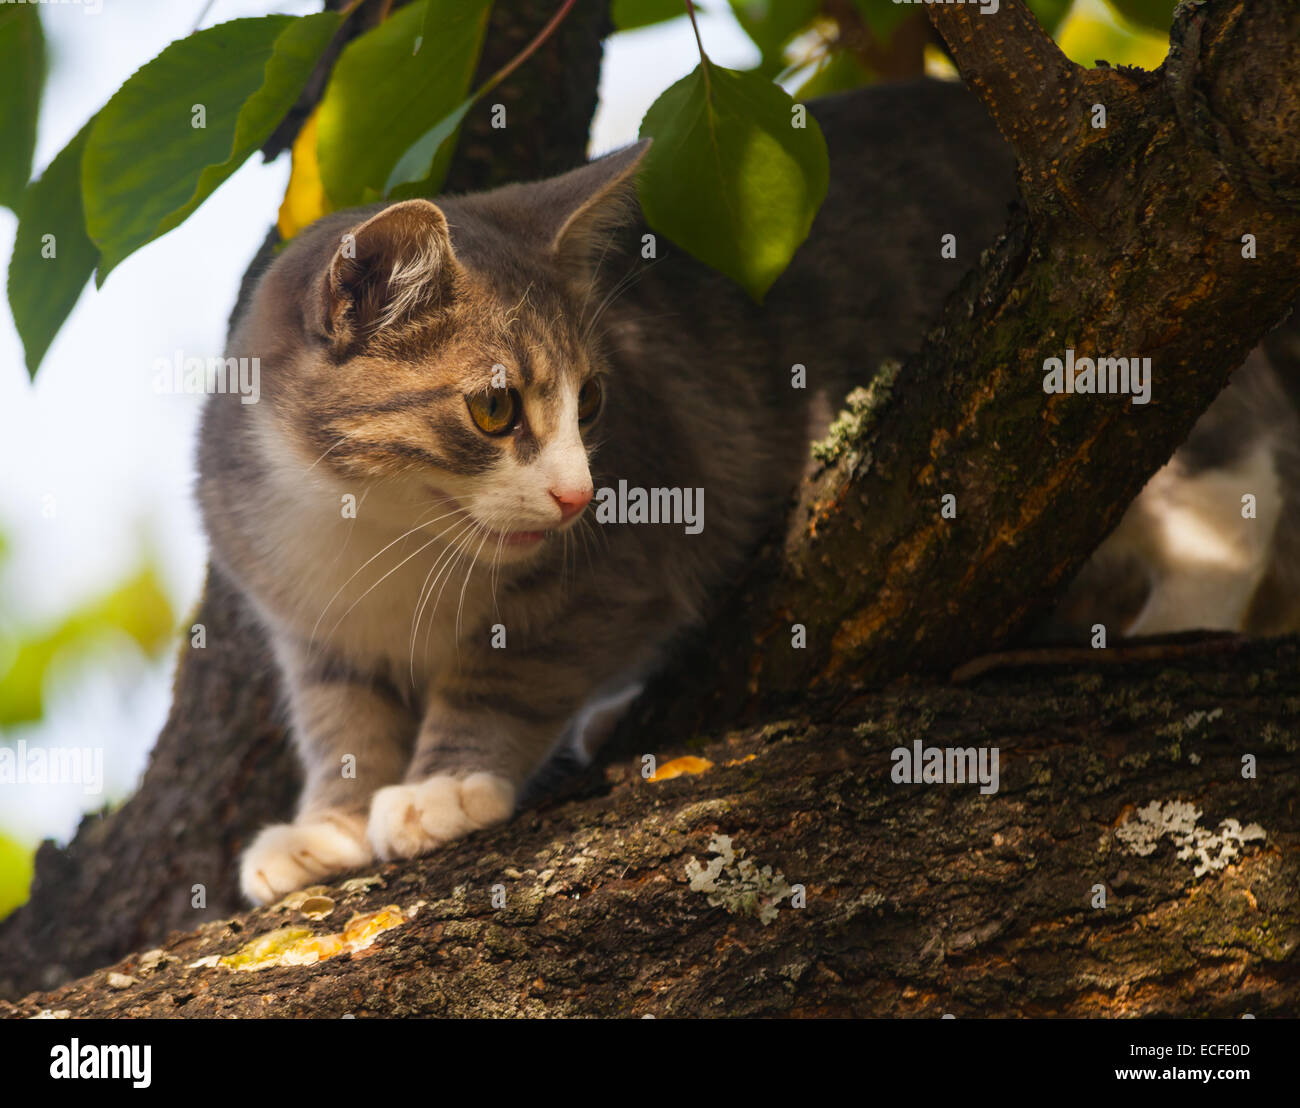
x,y
1034,93
920,900
1132,246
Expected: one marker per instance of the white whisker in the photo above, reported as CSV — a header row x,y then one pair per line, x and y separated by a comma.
x,y
367,562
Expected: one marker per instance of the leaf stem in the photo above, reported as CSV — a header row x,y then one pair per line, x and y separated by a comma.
x,y
528,51
202,16
690,11
487,86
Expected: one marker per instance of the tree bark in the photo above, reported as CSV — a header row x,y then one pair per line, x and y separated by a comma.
x,y
1129,245
549,102
919,899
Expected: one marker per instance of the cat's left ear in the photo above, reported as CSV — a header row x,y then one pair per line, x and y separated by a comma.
x,y
592,202
387,270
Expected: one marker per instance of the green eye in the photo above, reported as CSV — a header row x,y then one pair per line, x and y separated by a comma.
x,y
590,397
495,411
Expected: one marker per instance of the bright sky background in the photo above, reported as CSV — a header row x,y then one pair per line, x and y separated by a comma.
x,y
91,433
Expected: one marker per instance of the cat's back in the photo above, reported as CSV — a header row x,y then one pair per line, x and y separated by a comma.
x,y
715,391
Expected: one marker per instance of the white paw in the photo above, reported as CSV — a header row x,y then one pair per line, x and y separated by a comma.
x,y
406,820
287,856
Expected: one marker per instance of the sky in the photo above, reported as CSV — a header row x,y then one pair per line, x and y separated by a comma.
x,y
95,467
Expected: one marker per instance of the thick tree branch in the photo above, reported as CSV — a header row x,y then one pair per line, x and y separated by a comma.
x,y
1034,93
920,899
1132,247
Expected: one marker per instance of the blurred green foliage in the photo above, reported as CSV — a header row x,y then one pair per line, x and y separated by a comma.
x,y
816,55
1156,15
16,862
1094,31
138,607
629,15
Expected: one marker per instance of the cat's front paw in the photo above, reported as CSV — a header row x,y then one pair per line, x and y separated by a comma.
x,y
287,856
406,820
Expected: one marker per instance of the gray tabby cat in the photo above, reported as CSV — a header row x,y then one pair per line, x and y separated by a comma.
x,y
444,388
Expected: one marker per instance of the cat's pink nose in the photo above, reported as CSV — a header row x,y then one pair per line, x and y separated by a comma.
x,y
571,501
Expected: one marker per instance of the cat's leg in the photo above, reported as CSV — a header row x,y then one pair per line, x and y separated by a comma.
x,y
473,754
353,733
598,717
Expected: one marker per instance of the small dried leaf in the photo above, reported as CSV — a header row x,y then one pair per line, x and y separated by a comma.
x,y
679,766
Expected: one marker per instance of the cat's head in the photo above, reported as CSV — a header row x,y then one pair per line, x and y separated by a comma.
x,y
444,362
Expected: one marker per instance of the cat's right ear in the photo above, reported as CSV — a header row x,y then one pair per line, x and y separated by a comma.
x,y
592,202
386,271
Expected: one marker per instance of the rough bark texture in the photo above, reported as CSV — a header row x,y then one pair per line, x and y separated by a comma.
x,y
549,101
920,899
1130,246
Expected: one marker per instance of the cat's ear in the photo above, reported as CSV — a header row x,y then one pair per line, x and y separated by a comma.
x,y
386,271
592,202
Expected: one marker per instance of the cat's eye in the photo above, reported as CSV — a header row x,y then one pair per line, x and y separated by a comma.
x,y
495,411
589,400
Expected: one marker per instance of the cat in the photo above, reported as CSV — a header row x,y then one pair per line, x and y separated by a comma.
x,y
446,387
1189,553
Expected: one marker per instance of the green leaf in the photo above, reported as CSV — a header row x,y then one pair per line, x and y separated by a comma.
x,y
1156,14
44,289
22,73
1092,33
628,15
772,24
147,166
882,16
17,863
729,178
422,169
839,72
390,89
1051,13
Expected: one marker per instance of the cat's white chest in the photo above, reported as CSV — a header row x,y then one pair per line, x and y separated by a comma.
x,y
373,593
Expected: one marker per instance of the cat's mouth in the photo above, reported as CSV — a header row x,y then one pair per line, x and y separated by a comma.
x,y
516,538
